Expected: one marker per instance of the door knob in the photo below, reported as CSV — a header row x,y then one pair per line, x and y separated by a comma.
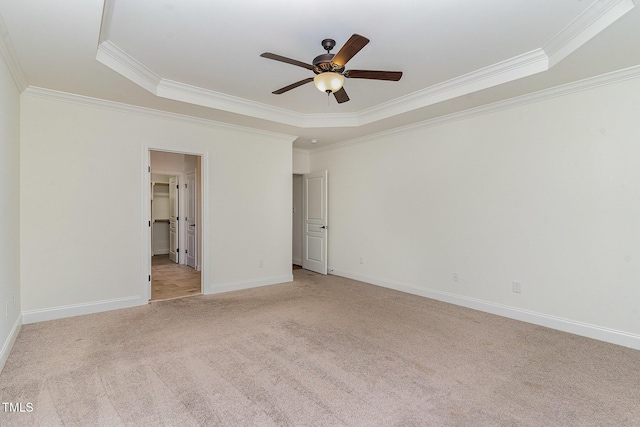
x,y
192,225
324,227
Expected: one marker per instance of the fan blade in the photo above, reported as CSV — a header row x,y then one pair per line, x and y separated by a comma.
x,y
374,75
341,96
286,60
350,48
292,86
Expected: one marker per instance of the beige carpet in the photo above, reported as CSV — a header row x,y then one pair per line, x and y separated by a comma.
x,y
319,351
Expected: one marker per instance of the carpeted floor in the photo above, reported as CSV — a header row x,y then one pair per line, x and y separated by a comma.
x,y
319,351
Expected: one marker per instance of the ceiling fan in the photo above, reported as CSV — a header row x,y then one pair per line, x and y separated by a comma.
x,y
329,68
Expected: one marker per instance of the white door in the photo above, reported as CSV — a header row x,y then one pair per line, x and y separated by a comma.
x,y
173,218
192,226
314,247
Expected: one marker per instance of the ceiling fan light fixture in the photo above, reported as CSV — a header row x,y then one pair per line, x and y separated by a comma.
x,y
328,82
330,71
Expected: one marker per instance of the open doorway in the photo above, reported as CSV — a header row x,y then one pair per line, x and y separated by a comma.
x,y
176,233
310,221
297,222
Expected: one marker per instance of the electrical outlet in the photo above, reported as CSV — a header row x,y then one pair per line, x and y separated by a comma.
x,y
456,276
261,263
517,287
361,260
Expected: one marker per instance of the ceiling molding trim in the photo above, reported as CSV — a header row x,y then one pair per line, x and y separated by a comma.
x,y
587,84
515,68
594,19
11,58
105,23
587,25
558,91
207,98
511,69
122,63
143,111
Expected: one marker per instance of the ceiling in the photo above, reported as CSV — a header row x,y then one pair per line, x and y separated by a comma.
x,y
202,58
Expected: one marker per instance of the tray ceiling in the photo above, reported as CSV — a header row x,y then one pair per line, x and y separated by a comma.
x,y
202,58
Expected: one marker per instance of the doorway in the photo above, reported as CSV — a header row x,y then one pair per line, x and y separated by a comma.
x,y
175,225
170,280
297,222
310,221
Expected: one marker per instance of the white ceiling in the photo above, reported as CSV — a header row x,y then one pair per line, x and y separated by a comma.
x,y
201,57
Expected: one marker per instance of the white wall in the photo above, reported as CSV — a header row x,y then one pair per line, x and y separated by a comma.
x,y
301,161
547,194
10,211
82,173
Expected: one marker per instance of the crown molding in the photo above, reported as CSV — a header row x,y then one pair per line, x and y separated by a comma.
x,y
122,63
143,111
119,61
587,25
598,16
105,22
563,90
579,86
11,58
112,56
512,69
207,98
594,19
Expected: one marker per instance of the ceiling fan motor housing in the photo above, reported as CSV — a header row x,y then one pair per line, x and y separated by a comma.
x,y
322,63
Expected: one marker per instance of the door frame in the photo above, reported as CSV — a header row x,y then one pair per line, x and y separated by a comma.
x,y
205,268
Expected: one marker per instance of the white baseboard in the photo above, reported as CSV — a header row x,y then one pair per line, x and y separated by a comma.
x,y
41,315
160,252
297,262
248,284
578,328
8,343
